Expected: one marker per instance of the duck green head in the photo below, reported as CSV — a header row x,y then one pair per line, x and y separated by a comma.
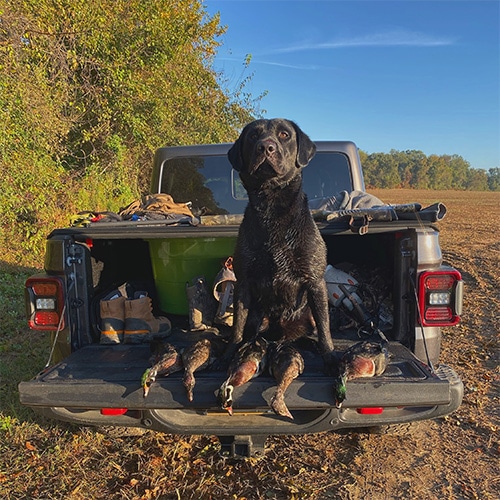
x,y
340,389
146,380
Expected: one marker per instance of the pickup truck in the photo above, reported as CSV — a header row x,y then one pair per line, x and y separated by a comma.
x,y
389,261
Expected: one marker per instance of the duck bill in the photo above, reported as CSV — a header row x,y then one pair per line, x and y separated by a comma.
x,y
229,409
285,412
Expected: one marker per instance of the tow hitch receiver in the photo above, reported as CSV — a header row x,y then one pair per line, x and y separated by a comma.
x,y
243,446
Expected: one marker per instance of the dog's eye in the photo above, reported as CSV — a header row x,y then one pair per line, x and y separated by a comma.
x,y
254,136
283,134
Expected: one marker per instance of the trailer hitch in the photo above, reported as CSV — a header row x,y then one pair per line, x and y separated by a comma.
x,y
242,446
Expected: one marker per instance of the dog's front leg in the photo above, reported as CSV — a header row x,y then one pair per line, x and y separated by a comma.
x,y
240,320
317,298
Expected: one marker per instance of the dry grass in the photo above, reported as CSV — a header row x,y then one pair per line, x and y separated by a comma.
x,y
453,458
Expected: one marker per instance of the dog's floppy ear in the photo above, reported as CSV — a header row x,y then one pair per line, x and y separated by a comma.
x,y
234,155
305,147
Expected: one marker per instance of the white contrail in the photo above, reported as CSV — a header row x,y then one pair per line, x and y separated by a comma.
x,y
398,38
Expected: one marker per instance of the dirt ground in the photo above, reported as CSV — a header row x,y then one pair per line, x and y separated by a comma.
x,y
456,457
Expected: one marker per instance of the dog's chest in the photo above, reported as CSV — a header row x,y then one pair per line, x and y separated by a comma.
x,y
279,256
279,246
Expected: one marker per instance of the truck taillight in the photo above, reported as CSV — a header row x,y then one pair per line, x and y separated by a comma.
x,y
440,297
45,303
112,412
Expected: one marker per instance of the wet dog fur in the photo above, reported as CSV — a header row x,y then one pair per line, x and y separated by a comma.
x,y
280,256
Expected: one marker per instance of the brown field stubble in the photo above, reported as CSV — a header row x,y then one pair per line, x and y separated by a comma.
x,y
456,457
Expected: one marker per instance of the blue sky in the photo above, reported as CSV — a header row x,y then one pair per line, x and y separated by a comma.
x,y
398,74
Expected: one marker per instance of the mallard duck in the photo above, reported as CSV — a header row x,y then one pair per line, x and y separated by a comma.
x,y
168,362
248,362
195,357
285,365
363,359
158,347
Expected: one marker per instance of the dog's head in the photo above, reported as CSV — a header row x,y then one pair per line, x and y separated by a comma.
x,y
270,152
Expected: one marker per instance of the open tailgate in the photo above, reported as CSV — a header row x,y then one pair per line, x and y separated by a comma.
x,y
100,376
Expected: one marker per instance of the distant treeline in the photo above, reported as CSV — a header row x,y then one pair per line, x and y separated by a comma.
x,y
413,169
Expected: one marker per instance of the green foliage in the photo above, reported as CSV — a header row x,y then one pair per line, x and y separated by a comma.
x,y
15,341
477,179
413,168
6,423
381,170
494,179
89,89
31,197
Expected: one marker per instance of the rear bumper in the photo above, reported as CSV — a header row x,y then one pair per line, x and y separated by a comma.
x,y
98,377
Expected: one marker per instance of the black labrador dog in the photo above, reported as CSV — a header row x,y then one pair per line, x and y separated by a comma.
x,y
280,257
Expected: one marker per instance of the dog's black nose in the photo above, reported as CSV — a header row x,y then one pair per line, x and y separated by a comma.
x,y
266,146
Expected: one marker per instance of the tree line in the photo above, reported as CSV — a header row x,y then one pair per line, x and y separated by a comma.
x,y
414,169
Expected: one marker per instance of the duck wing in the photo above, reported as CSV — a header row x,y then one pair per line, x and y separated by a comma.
x,y
364,359
253,352
248,362
158,347
168,362
195,357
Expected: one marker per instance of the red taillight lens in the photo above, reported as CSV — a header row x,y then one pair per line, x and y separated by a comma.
x,y
46,318
373,410
44,288
45,303
440,297
110,412
438,314
439,282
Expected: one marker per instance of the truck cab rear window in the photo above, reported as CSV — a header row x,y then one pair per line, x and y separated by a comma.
x,y
214,188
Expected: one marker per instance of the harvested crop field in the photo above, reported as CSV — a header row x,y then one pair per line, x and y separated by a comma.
x,y
456,457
